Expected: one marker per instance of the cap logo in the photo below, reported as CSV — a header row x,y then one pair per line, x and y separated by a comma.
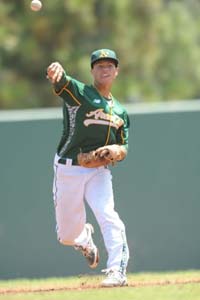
x,y
104,53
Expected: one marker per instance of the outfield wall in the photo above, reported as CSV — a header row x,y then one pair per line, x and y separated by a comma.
x,y
157,190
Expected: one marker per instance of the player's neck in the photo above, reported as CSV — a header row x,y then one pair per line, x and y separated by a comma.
x,y
104,91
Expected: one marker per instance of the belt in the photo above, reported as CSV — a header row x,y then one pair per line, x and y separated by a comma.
x,y
64,161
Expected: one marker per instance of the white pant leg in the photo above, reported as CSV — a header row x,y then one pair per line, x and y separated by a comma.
x,y
68,194
99,195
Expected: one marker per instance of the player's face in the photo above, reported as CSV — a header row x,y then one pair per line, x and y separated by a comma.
x,y
104,72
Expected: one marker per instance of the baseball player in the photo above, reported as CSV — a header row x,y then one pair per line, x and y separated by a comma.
x,y
95,136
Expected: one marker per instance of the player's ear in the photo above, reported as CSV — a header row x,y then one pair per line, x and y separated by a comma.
x,y
116,71
91,70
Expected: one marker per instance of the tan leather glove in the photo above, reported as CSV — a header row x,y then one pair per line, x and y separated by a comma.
x,y
113,153
102,156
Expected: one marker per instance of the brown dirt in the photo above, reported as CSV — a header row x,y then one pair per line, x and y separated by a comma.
x,y
84,285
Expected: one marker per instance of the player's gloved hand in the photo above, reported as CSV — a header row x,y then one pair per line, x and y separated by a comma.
x,y
102,156
55,72
112,153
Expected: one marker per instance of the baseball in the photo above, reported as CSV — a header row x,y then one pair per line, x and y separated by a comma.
x,y
36,5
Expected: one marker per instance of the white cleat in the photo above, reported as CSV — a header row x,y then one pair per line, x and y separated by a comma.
x,y
114,278
90,252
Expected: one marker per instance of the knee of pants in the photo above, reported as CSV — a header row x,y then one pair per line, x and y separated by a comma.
x,y
109,217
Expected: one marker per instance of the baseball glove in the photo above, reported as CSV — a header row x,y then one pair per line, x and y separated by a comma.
x,y
102,156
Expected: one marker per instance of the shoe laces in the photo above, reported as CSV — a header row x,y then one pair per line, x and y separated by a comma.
x,y
86,251
110,272
113,273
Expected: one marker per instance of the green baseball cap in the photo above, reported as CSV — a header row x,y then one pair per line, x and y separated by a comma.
x,y
104,54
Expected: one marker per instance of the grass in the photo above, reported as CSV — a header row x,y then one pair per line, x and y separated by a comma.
x,y
156,286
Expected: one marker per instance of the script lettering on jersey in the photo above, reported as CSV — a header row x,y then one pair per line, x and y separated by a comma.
x,y
99,117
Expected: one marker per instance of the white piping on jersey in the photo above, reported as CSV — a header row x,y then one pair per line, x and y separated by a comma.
x,y
72,111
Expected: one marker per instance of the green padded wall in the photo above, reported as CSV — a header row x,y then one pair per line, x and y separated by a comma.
x,y
157,191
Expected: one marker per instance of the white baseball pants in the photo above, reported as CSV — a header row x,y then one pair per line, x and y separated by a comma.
x,y
72,186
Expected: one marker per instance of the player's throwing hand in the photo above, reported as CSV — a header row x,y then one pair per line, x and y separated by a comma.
x,y
55,72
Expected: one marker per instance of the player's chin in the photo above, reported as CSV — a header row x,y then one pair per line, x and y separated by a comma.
x,y
106,80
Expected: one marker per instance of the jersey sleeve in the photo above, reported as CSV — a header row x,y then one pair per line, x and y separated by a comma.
x,y
69,90
123,132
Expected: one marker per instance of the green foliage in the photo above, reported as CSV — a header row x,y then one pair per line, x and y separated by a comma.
x,y
157,43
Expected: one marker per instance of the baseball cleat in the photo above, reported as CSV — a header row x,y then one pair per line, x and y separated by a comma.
x,y
114,278
90,252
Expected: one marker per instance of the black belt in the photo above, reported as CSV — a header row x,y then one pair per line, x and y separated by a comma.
x,y
63,161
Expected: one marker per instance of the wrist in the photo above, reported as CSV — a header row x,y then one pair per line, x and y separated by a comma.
x,y
61,83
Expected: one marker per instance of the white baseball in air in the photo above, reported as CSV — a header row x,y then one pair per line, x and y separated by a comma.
x,y
36,5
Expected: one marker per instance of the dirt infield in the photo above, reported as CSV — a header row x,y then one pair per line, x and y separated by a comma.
x,y
85,285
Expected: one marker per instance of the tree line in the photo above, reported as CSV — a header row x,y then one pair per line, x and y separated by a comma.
x,y
157,42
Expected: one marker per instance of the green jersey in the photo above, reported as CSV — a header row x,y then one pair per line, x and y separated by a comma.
x,y
89,120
